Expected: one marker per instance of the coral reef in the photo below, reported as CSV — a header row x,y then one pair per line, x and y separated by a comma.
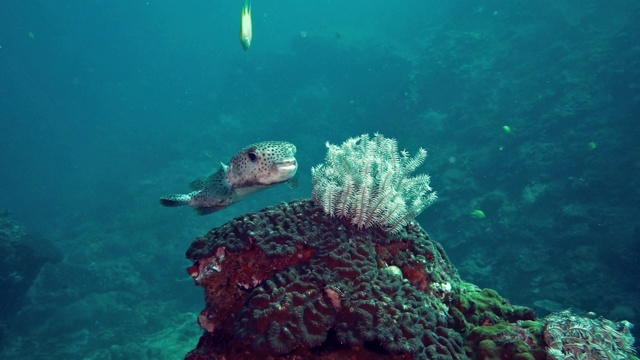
x,y
521,340
293,282
349,274
570,336
494,328
23,254
323,284
367,180
472,307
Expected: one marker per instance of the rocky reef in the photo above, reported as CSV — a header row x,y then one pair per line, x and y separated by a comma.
x,y
349,274
294,283
22,254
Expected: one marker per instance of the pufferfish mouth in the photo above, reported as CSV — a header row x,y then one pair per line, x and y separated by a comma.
x,y
286,164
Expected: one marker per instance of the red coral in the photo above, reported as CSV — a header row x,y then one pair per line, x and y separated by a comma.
x,y
290,281
416,275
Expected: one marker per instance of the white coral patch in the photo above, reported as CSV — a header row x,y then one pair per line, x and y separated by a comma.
x,y
393,270
335,297
441,288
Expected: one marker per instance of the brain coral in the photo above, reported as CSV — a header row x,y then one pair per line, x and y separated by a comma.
x,y
323,285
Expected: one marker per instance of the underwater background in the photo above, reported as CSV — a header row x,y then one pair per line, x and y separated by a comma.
x,y
529,111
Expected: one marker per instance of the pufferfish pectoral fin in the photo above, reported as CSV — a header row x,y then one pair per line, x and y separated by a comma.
x,y
198,184
208,210
294,183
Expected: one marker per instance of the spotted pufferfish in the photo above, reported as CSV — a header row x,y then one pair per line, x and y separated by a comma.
x,y
257,167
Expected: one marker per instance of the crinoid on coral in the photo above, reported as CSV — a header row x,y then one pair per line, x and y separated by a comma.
x,y
300,281
367,180
330,291
325,292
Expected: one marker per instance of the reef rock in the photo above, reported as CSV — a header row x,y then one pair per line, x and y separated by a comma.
x,y
291,282
22,255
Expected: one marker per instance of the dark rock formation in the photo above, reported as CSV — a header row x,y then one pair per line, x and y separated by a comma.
x,y
22,255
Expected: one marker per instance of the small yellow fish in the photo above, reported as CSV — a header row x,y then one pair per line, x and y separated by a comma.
x,y
246,32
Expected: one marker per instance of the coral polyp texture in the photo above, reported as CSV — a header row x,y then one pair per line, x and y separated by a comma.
x,y
367,180
570,336
294,283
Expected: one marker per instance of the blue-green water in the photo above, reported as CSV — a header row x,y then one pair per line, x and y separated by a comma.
x,y
105,106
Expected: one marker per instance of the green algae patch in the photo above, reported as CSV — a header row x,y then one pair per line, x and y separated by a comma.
x,y
520,340
472,307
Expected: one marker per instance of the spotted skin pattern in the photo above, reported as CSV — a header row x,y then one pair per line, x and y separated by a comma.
x,y
255,168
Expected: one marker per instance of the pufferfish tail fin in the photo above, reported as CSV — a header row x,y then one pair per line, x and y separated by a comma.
x,y
175,200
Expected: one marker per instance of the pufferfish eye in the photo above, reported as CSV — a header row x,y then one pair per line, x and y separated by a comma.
x,y
252,156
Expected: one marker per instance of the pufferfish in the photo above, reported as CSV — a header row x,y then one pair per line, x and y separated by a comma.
x,y
255,168
246,31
